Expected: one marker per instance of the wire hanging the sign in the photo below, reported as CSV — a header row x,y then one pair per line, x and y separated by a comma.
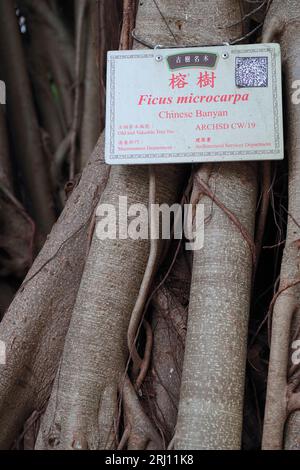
x,y
172,46
184,46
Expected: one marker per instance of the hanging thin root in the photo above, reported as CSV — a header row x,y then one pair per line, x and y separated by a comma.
x,y
138,310
205,189
263,212
147,357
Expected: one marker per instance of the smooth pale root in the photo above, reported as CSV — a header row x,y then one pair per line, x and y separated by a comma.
x,y
212,390
282,25
35,325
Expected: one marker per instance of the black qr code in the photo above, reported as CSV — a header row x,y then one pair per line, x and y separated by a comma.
x,y
251,71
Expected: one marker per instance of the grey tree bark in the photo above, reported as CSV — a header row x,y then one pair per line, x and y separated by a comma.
x,y
212,388
282,415
91,95
17,229
83,406
83,403
35,325
24,125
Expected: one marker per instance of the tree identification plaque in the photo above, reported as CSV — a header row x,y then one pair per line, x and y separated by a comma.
x,y
220,103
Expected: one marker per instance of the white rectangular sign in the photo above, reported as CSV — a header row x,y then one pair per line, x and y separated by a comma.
x,y
219,103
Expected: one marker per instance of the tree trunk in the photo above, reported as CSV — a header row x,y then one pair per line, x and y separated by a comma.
x,y
24,125
282,24
17,229
212,388
36,323
83,406
90,128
